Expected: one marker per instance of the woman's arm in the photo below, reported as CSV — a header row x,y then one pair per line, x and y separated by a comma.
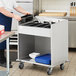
x,y
21,10
9,14
6,13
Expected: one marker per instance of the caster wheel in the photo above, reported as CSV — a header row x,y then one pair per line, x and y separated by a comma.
x,y
21,65
10,66
49,71
62,66
10,62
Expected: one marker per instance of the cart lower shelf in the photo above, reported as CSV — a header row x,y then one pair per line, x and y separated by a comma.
x,y
32,61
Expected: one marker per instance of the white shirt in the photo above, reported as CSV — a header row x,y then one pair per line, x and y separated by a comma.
x,y
8,4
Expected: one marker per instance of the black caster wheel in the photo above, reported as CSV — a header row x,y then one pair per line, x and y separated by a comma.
x,y
10,62
10,66
49,71
62,66
21,65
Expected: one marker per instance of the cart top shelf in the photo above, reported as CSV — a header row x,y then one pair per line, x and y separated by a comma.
x,y
43,28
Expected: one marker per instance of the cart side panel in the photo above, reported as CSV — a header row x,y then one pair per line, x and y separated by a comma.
x,y
59,43
26,45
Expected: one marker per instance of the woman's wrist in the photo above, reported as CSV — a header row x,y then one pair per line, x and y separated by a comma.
x,y
12,15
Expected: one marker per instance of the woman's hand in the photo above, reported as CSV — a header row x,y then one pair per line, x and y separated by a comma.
x,y
17,17
27,13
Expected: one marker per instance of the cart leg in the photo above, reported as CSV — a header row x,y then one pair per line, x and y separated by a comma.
x,y
34,64
62,66
8,56
49,71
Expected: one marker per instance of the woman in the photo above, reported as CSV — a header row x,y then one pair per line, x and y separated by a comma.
x,y
6,15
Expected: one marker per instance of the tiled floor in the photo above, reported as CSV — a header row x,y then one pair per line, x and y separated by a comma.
x,y
31,70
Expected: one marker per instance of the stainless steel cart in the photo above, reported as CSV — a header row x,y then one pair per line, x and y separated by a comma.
x,y
53,40
3,38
